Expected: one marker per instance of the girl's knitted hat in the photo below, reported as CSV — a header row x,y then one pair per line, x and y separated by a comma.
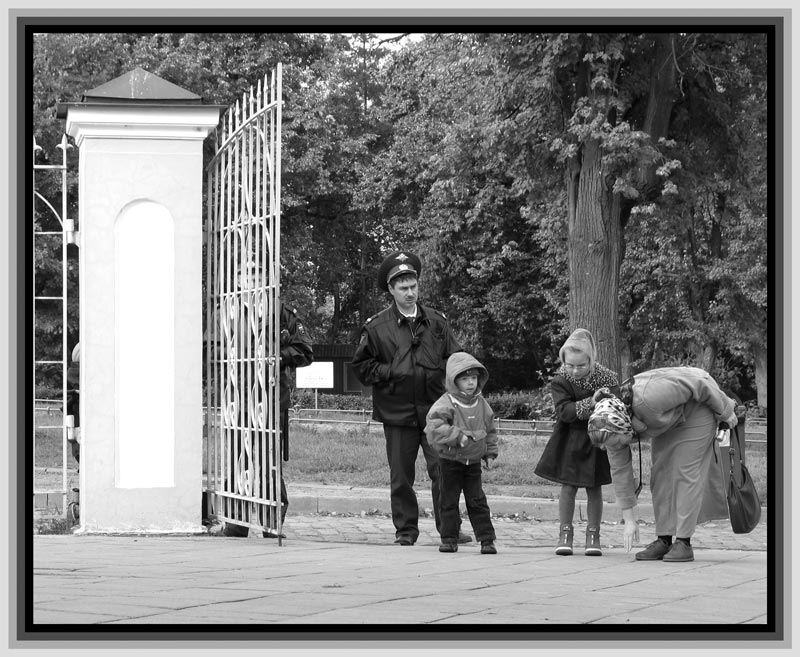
x,y
582,341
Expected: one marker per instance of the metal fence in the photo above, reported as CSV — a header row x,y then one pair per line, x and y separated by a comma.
x,y
755,429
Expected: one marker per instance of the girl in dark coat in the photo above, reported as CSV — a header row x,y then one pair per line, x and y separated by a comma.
x,y
570,458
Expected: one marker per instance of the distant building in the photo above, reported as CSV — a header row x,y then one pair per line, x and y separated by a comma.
x,y
345,381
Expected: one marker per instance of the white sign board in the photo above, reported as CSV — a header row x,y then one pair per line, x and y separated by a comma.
x,y
317,375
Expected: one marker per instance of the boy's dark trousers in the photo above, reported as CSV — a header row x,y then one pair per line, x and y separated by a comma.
x,y
454,478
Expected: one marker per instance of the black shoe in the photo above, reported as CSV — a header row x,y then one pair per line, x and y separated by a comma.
x,y
235,531
653,552
448,547
679,551
268,533
404,540
464,538
487,547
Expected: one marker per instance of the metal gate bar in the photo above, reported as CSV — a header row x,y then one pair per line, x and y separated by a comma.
x,y
243,468
67,235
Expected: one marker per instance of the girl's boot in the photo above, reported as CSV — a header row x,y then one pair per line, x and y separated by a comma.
x,y
565,540
593,542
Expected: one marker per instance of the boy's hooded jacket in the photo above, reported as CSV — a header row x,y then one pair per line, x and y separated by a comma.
x,y
456,413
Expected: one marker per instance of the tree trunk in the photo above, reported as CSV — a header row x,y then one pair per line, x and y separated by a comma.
x,y
761,371
659,105
594,241
708,356
336,318
625,360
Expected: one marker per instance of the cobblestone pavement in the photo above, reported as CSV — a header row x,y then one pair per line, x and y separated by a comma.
x,y
377,529
335,569
338,565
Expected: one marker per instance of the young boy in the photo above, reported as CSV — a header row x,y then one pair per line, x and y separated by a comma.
x,y
460,428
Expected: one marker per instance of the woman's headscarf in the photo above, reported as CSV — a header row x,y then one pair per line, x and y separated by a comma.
x,y
580,340
609,417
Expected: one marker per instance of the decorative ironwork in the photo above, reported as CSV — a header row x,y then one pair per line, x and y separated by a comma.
x,y
242,239
48,222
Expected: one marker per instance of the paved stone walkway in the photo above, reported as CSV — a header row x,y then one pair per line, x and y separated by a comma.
x,y
344,569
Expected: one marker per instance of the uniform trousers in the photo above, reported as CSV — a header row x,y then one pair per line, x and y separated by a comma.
x,y
402,448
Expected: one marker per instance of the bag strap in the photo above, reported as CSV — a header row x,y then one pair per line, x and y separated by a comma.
x,y
732,451
641,475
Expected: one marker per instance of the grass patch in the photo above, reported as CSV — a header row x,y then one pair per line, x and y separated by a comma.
x,y
355,455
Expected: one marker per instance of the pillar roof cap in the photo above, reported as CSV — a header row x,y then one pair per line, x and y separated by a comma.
x,y
139,85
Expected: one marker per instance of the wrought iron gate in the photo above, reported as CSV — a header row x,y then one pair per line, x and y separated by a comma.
x,y
52,426
242,281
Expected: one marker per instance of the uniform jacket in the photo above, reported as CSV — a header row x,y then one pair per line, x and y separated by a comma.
x,y
404,362
296,351
295,344
455,414
662,399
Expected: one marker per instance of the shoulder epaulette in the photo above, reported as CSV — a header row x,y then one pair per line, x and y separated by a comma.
x,y
378,314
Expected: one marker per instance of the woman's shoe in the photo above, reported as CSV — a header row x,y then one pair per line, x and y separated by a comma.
x,y
653,552
679,551
448,547
487,547
564,547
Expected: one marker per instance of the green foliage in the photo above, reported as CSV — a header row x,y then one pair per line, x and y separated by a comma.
x,y
527,405
523,405
468,148
306,399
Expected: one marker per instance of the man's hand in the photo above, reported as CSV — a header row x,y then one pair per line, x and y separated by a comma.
x,y
488,461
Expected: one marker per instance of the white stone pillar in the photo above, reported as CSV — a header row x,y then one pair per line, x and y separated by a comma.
x,y
141,307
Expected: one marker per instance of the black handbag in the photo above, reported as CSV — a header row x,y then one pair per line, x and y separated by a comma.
x,y
744,507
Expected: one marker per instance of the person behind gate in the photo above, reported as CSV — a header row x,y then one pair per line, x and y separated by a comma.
x,y
460,427
295,351
401,354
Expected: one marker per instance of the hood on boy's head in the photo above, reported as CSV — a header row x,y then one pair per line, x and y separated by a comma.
x,y
460,362
581,340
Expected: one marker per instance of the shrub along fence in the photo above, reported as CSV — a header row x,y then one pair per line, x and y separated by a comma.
x,y
529,414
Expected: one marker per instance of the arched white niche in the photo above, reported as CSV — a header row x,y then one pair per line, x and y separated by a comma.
x,y
144,345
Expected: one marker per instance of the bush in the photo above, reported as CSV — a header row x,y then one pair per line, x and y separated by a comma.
x,y
305,399
528,405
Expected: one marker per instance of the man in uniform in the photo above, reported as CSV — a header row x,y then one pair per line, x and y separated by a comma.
x,y
402,354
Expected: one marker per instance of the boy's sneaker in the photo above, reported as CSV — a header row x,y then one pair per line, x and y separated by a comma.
x,y
564,546
487,547
448,547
